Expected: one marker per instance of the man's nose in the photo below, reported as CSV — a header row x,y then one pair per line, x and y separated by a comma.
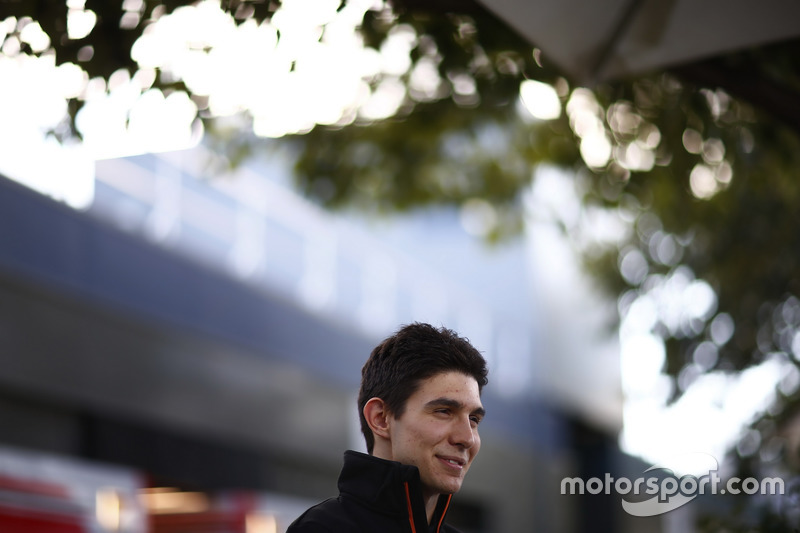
x,y
463,434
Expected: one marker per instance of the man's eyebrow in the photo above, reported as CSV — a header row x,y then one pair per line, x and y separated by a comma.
x,y
453,404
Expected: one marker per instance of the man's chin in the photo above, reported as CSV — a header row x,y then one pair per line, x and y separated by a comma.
x,y
443,482
449,487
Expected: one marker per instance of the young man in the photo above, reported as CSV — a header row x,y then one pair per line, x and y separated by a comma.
x,y
420,406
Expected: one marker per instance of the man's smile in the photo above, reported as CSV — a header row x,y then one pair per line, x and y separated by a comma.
x,y
455,463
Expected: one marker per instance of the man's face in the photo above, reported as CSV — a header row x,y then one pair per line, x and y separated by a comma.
x,y
438,431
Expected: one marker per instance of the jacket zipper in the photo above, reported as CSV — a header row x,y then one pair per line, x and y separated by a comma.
x,y
411,511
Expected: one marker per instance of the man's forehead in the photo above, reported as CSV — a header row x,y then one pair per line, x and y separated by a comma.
x,y
455,386
451,377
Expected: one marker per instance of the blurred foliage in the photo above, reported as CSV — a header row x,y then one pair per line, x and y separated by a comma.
x,y
704,169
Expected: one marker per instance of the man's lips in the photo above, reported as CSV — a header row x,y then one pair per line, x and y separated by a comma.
x,y
455,463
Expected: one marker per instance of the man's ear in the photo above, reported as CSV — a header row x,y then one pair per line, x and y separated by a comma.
x,y
377,416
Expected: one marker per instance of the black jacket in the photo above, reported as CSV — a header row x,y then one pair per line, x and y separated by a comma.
x,y
375,496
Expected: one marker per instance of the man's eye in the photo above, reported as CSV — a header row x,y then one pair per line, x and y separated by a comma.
x,y
475,420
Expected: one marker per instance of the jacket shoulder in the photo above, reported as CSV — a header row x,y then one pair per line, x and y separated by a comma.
x,y
325,517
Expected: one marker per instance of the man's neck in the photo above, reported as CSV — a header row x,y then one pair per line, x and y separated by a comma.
x,y
430,501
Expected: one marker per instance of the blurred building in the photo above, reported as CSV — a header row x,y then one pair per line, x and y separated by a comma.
x,y
201,336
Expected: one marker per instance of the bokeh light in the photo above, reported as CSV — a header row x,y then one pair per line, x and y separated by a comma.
x,y
540,99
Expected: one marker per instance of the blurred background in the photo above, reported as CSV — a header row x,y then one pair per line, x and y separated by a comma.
x,y
210,212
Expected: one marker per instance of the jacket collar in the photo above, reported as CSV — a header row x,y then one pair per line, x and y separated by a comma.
x,y
391,488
